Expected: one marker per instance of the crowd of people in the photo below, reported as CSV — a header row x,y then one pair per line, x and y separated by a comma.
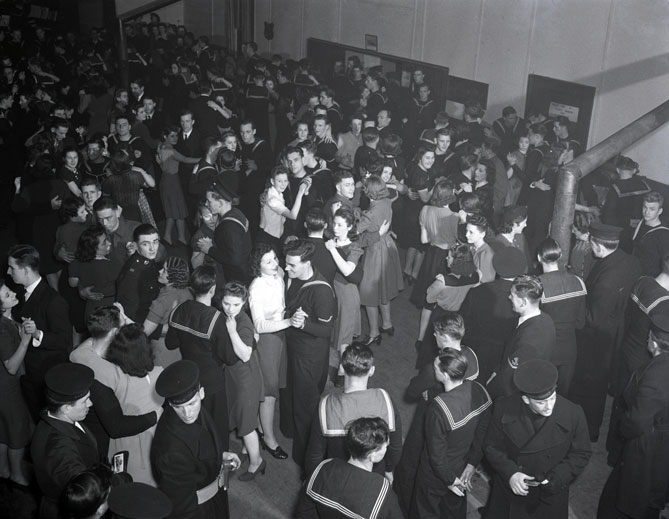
x,y
189,249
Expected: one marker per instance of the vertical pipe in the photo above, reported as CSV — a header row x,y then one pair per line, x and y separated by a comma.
x,y
123,55
563,210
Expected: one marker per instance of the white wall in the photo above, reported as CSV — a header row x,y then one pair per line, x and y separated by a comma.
x,y
620,47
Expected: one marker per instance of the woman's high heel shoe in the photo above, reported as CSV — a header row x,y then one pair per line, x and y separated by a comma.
x,y
250,476
388,331
277,453
368,341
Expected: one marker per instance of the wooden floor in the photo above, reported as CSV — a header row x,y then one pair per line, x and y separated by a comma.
x,y
274,494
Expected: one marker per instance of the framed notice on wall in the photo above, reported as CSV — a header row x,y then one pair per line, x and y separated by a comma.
x,y
371,42
555,97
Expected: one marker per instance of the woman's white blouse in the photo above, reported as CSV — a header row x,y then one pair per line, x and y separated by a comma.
x,y
267,303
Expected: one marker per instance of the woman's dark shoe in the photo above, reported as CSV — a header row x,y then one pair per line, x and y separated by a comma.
x,y
278,453
250,476
368,341
388,331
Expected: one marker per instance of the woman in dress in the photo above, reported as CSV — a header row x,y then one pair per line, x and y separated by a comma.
x,y
267,304
140,129
446,294
92,273
346,255
516,160
418,181
383,274
174,278
301,134
125,186
171,194
274,212
75,216
136,392
70,171
484,179
229,161
244,382
438,230
477,227
15,423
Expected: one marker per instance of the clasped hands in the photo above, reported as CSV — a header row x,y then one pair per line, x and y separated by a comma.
x,y
298,319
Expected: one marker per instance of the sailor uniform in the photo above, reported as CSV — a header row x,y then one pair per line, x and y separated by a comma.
x,y
337,490
455,425
308,356
336,410
564,300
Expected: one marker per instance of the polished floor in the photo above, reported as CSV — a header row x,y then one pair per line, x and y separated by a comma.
x,y
274,494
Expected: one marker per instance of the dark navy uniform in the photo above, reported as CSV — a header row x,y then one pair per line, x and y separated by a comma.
x,y
186,458
651,244
201,178
534,338
232,246
200,333
139,152
252,185
137,286
623,206
336,410
509,136
558,450
638,484
489,323
339,490
647,297
455,425
308,355
564,300
326,149
609,285
423,388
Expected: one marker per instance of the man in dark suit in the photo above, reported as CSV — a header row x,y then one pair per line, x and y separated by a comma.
x,y
609,285
189,145
489,318
533,338
537,445
205,116
62,445
44,316
155,120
